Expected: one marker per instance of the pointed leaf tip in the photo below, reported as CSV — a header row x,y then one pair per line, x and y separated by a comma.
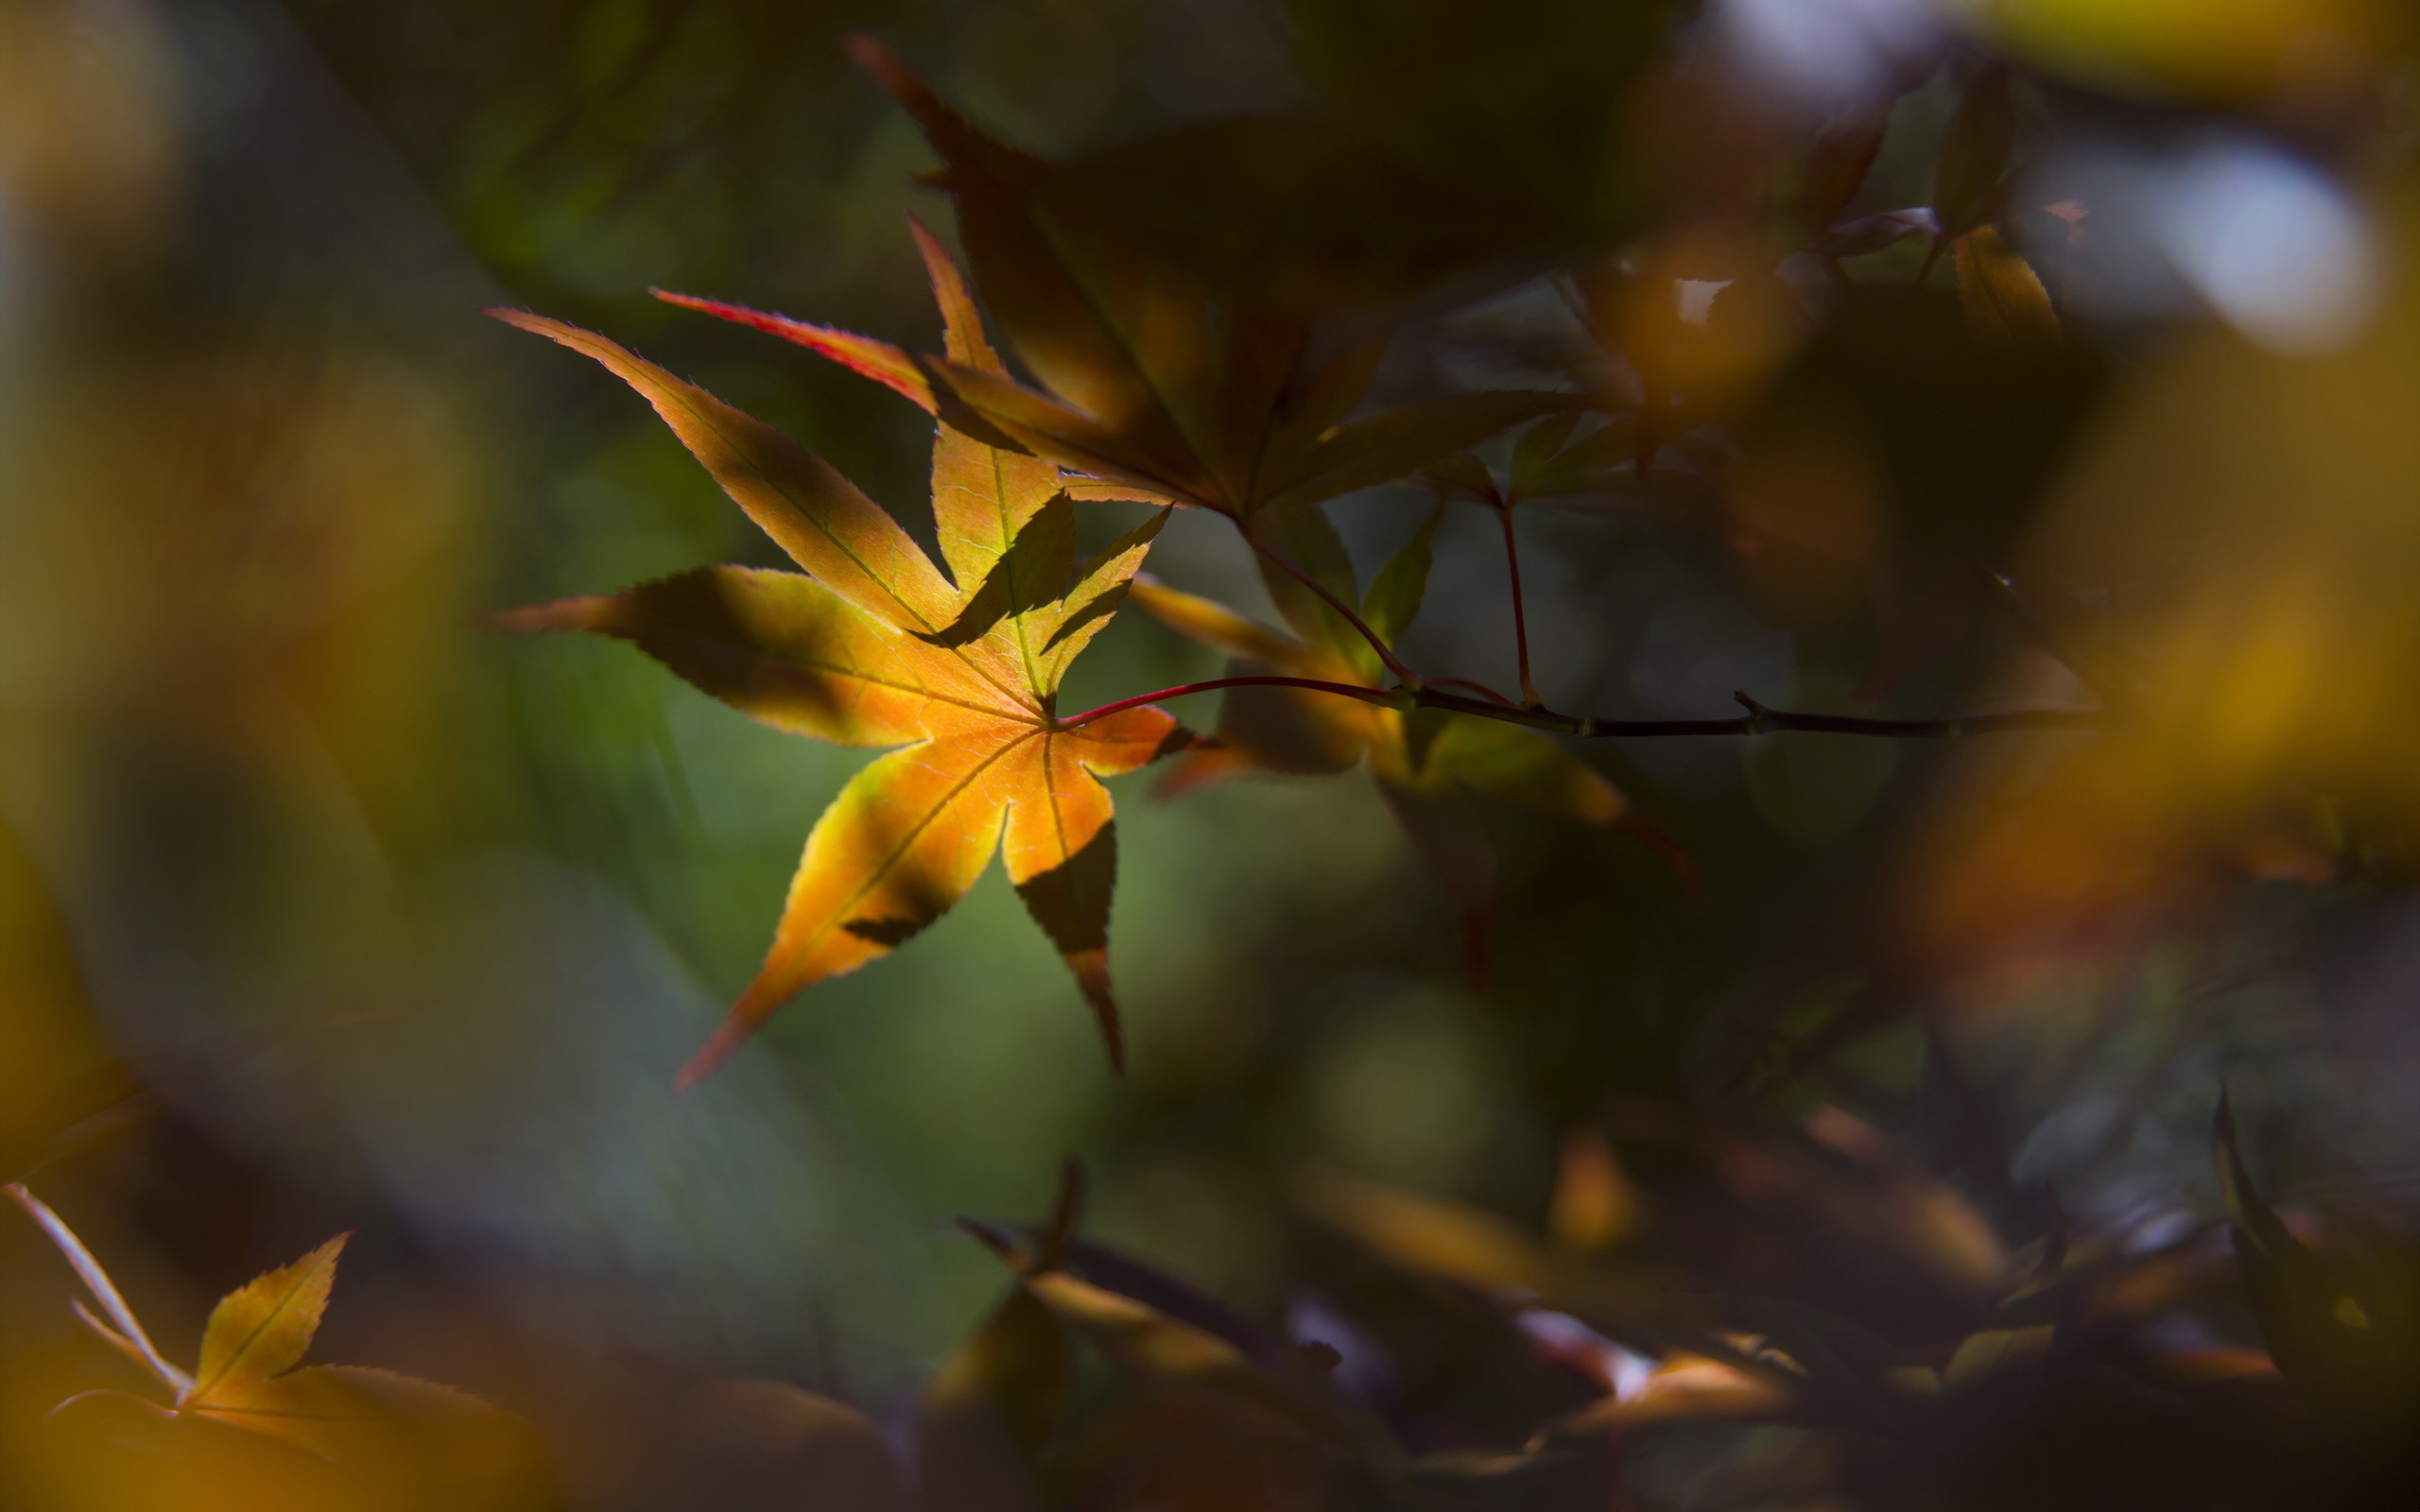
x,y
1092,978
962,331
875,60
720,1046
863,356
262,1329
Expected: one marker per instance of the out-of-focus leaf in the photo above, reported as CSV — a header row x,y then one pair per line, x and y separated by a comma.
x,y
1590,464
1981,1354
1525,767
987,1414
1117,335
1969,180
1538,446
1420,765
2246,52
1168,369
1446,832
1393,600
1835,168
648,1434
1462,476
1524,99
2348,1351
1868,235
1157,1349
1269,730
1023,1246
1849,1372
2002,297
388,1440
1300,214
375,1421
1306,539
1191,1450
1401,441
1543,1475
58,1081
1213,624
1595,1206
1685,1386
1478,1250
1210,1407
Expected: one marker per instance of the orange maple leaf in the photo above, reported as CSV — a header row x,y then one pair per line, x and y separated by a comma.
x,y
873,646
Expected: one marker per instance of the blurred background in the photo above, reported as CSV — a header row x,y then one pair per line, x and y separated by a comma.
x,y
395,926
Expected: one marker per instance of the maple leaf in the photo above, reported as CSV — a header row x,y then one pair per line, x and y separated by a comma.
x,y
1998,292
392,1428
871,646
260,1330
1157,385
1424,762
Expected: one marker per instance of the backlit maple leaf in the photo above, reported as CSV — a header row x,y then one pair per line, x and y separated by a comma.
x,y
873,646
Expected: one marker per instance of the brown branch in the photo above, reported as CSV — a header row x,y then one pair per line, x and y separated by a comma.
x,y
1760,720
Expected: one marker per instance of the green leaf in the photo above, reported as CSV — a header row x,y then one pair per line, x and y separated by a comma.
x,y
1524,766
2349,1352
1540,443
1584,466
990,1410
1401,441
1835,168
1304,537
1998,292
1393,600
1461,475
1969,183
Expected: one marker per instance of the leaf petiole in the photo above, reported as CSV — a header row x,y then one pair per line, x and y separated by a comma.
x,y
1520,612
1378,643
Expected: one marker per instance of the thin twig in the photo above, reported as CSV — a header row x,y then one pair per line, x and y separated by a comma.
x,y
1760,720
96,1282
1479,688
1342,690
1386,657
1520,612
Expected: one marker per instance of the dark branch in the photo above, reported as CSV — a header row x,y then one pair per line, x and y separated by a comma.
x,y
1760,720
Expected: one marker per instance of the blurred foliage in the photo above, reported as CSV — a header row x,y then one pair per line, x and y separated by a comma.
x,y
1574,1112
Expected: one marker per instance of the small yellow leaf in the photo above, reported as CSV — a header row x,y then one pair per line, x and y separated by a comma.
x,y
262,1329
1979,1354
1595,1206
2002,297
